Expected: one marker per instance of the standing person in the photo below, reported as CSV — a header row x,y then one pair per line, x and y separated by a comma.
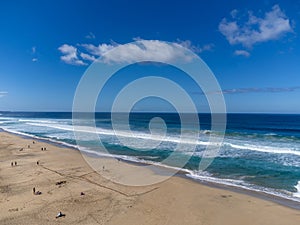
x,y
15,163
33,190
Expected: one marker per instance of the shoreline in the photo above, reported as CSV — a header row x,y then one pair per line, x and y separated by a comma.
x,y
253,193
281,200
177,200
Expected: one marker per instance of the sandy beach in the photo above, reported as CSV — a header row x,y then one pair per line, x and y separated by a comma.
x,y
68,184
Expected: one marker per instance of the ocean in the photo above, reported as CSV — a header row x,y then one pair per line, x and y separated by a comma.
x,y
260,152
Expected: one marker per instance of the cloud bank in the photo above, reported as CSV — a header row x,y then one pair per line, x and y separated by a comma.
x,y
254,90
142,50
260,90
273,25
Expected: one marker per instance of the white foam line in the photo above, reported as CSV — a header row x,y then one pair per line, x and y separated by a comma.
x,y
82,149
267,149
19,133
40,138
40,121
9,118
297,194
121,134
136,135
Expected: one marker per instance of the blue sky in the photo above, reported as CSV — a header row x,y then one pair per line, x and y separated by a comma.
x,y
252,47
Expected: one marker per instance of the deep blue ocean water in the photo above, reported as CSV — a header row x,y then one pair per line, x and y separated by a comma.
x,y
259,152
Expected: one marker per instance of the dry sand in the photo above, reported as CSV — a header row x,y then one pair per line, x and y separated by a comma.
x,y
174,201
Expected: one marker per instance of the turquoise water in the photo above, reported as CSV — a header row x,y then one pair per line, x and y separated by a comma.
x,y
259,152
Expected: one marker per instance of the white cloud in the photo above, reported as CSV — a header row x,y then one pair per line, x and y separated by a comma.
x,y
141,50
272,26
34,54
234,13
97,50
3,93
87,57
90,36
70,55
242,53
188,44
146,50
207,47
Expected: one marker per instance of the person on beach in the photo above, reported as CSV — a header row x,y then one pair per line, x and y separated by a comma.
x,y
37,162
60,215
38,193
15,163
42,149
12,164
33,142
28,146
33,190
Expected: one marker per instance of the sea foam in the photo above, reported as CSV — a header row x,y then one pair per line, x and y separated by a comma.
x,y
297,194
174,139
